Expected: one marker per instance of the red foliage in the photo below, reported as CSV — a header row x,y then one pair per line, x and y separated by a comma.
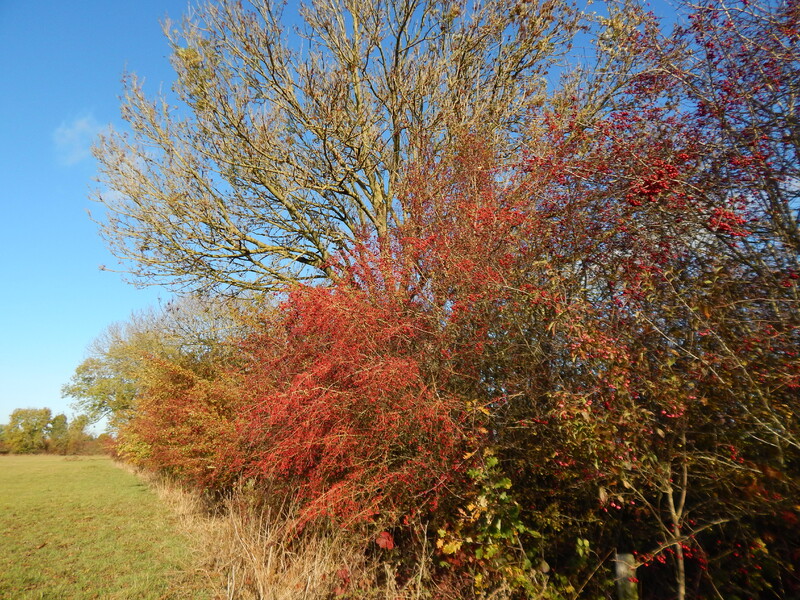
x,y
385,540
340,410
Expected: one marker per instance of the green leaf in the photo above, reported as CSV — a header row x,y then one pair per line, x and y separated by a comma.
x,y
504,483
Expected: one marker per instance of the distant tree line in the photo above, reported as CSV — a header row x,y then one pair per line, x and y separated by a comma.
x,y
36,430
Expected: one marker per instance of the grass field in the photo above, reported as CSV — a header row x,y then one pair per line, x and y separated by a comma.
x,y
84,528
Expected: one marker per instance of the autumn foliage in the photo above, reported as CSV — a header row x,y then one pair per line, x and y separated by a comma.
x,y
585,346
343,411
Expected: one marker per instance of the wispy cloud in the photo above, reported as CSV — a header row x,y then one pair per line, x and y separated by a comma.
x,y
73,139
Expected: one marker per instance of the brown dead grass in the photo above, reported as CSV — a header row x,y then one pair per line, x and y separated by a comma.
x,y
251,552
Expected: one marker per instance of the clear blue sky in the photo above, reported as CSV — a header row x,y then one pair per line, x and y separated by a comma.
x,y
60,70
60,74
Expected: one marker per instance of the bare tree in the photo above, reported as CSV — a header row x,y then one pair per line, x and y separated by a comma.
x,y
287,149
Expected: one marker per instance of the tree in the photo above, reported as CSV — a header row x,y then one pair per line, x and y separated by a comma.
x,y
76,435
57,438
155,378
105,383
629,336
742,83
287,153
27,430
109,382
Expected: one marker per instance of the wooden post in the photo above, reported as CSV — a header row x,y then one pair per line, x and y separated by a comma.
x,y
625,576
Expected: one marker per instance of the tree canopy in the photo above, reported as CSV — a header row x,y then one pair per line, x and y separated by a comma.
x,y
27,430
286,151
32,430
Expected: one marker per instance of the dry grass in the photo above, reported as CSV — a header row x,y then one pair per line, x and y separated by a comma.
x,y
251,552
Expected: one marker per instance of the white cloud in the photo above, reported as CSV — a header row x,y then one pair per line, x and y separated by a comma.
x,y
73,139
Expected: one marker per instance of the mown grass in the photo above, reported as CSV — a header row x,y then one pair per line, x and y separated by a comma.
x,y
84,528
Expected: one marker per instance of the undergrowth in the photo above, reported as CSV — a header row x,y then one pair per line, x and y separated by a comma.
x,y
250,550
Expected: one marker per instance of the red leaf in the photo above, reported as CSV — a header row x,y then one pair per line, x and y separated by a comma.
x,y
385,540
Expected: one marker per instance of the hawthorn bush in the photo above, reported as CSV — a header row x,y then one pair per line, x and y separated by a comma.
x,y
343,413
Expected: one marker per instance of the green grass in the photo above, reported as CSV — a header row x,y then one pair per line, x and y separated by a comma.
x,y
84,528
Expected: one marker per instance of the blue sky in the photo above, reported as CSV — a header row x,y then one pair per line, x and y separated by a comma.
x,y
60,74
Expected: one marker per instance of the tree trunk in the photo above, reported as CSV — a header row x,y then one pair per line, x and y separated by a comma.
x,y
625,576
